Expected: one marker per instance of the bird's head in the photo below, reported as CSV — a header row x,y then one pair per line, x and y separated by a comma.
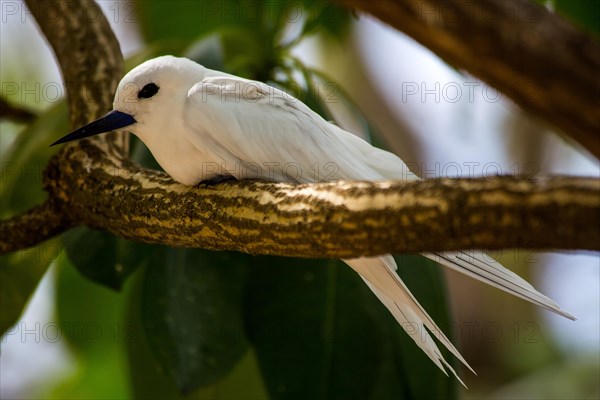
x,y
147,94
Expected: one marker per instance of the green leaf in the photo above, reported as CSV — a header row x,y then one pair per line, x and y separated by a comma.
x,y
314,329
320,333
243,28
328,17
148,380
585,13
243,383
20,273
188,20
102,257
91,323
176,19
249,53
191,314
23,163
146,375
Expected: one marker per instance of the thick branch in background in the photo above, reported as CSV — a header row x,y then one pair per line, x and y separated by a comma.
x,y
95,184
88,54
534,56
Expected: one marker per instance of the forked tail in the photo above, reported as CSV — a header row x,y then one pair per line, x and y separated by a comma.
x,y
482,267
380,275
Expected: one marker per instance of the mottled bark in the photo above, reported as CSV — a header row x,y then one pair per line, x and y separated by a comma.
x,y
342,219
93,183
538,59
88,54
35,226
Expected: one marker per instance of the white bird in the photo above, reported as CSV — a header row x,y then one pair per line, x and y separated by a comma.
x,y
202,124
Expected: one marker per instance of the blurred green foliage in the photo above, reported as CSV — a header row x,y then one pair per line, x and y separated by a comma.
x,y
20,189
91,321
584,13
191,312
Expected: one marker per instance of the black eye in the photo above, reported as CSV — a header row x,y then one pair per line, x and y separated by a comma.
x,y
148,91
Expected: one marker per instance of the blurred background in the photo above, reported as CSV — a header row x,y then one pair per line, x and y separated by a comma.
x,y
112,319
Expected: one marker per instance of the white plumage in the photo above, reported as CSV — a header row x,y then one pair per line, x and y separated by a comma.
x,y
199,124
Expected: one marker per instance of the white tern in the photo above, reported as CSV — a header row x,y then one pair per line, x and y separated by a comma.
x,y
202,124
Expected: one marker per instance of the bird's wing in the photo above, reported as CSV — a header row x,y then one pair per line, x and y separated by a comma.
x,y
243,121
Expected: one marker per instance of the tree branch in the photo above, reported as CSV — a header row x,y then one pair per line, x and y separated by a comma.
x,y
89,56
35,226
534,56
340,219
93,183
14,113
91,63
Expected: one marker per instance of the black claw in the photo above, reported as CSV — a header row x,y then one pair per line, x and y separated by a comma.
x,y
217,179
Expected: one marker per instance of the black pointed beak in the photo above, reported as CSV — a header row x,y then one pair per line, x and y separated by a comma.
x,y
111,121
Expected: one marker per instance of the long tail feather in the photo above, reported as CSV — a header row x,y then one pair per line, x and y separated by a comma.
x,y
380,275
482,267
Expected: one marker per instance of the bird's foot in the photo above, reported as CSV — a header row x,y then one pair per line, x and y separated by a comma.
x,y
217,179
